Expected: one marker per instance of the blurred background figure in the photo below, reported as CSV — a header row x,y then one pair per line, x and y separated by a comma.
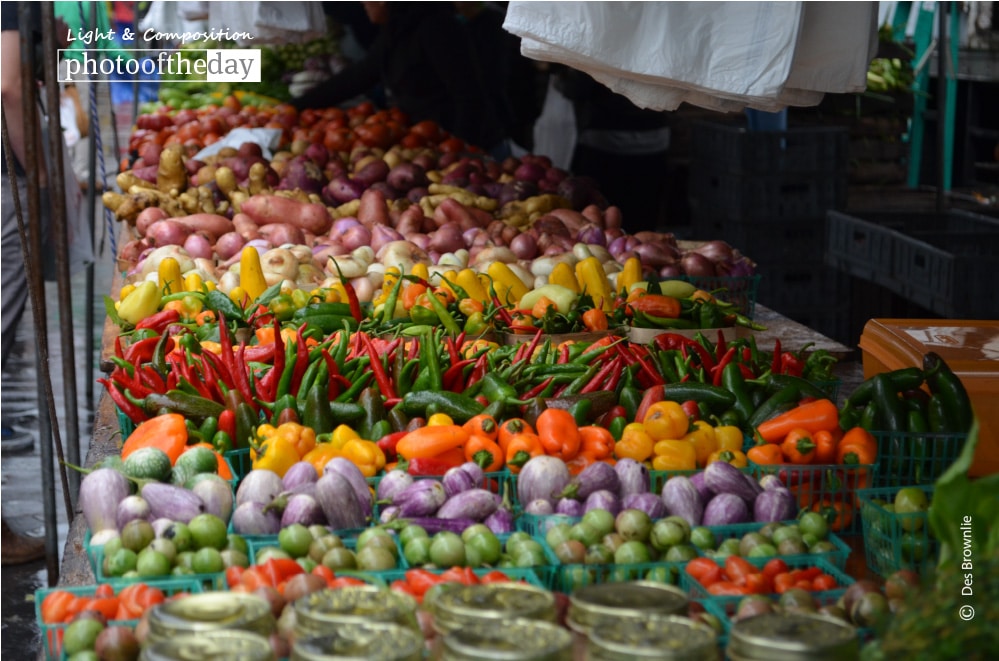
x,y
425,59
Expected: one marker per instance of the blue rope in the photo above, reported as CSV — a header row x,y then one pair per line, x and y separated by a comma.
x,y
95,128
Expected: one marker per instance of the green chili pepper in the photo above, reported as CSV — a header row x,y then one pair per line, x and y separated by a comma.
x,y
221,442
355,388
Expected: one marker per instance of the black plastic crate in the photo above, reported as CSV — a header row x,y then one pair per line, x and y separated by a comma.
x,y
770,240
735,149
945,263
765,197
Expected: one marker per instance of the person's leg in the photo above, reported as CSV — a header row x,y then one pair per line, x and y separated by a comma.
x,y
19,549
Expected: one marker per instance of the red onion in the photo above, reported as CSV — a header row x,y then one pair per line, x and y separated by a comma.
x,y
420,240
653,254
228,245
670,271
591,234
508,234
198,245
716,251
381,235
524,246
617,247
341,225
447,238
529,172
434,256
553,249
694,263
469,235
551,225
355,237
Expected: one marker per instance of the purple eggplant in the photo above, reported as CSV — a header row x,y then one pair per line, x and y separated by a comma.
x,y
304,509
392,483
216,495
434,525
500,521
475,472
774,505
703,490
388,514
634,477
598,476
260,486
172,502
542,477
162,527
253,518
457,480
569,507
132,508
722,477
603,500
349,470
725,509
422,498
301,472
682,499
771,481
542,507
338,500
649,503
476,504
100,493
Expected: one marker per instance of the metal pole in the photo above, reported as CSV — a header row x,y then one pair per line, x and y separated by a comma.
x,y
32,252
942,118
88,318
60,228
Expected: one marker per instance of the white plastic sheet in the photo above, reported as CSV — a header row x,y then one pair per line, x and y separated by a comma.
x,y
270,22
723,56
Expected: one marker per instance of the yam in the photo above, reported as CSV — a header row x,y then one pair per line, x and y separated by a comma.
x,y
269,209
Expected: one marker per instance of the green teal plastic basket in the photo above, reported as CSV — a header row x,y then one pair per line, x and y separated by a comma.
x,y
239,463
210,581
729,603
567,577
830,489
738,290
906,458
896,540
836,551
52,632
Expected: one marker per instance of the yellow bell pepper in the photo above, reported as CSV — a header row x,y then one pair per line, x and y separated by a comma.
x,y
469,281
125,291
509,287
274,453
703,438
302,437
439,419
366,455
629,275
341,435
251,273
729,437
563,275
593,281
320,455
674,455
141,302
735,457
238,296
635,443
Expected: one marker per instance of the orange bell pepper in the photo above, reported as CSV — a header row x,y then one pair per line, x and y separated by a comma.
x,y
798,446
558,433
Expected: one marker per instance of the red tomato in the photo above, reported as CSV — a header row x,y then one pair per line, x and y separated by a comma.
x,y
704,570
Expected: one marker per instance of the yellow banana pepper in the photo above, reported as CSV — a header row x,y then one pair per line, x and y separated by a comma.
x,y
629,275
509,288
251,273
469,281
593,281
563,275
170,280
141,302
674,455
366,455
193,282
420,271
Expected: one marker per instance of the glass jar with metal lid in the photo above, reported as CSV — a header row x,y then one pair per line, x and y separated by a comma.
x,y
209,611
460,606
218,645
320,613
371,641
792,637
636,600
511,640
661,637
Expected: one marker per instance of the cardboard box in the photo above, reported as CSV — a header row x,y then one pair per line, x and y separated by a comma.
x,y
970,348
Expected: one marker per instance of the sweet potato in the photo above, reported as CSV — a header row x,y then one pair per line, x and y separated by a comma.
x,y
147,217
210,223
281,233
373,210
246,227
268,209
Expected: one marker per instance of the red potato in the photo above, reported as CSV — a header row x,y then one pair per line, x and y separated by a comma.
x,y
482,218
146,173
612,218
209,223
169,232
455,212
410,221
147,217
268,209
246,227
228,245
373,210
573,220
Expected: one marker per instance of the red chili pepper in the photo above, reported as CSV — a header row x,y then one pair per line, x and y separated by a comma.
x,y
159,321
538,389
649,397
597,382
791,364
615,376
435,465
388,442
141,351
452,350
478,371
775,362
453,378
617,411
117,347
259,353
333,389
227,422
716,371
747,355
414,349
242,377
352,300
522,327
501,310
211,378
150,378
133,412
301,363
384,383
563,354
218,367
747,373
171,380
721,347
707,362
267,386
